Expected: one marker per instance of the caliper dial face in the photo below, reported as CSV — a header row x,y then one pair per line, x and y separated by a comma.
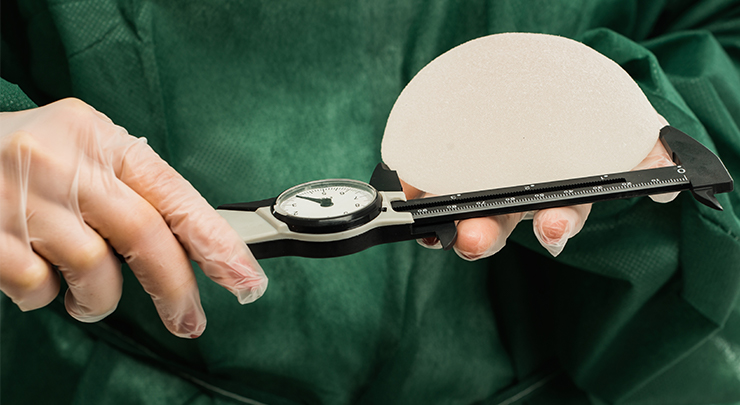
x,y
324,199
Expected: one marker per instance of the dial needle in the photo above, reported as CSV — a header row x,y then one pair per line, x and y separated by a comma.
x,y
325,202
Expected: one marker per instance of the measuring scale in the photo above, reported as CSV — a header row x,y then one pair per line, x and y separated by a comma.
x,y
336,217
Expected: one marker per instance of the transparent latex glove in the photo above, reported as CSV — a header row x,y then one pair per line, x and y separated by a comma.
x,y
73,187
482,237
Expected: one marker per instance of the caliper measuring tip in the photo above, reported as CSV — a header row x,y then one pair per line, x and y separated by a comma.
x,y
706,197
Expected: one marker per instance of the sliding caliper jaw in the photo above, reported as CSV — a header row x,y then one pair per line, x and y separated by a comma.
x,y
257,223
386,181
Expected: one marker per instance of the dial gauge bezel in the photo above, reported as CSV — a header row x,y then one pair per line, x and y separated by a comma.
x,y
333,223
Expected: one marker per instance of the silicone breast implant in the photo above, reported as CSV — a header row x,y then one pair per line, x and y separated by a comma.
x,y
514,109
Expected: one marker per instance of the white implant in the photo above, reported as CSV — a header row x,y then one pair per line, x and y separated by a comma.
x,y
514,109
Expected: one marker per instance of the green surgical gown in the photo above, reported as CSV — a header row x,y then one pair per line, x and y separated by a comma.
x,y
248,98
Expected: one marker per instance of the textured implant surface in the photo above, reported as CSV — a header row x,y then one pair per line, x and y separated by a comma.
x,y
514,109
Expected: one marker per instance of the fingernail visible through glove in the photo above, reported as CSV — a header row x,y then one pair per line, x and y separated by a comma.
x,y
553,227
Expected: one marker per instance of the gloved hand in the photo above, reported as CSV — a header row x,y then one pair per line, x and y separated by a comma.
x,y
478,238
73,185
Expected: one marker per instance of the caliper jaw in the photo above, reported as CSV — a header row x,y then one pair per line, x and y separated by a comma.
x,y
708,174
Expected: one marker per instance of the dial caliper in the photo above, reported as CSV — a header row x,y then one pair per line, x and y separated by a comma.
x,y
336,217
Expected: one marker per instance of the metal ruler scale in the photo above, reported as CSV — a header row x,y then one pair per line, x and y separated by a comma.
x,y
546,195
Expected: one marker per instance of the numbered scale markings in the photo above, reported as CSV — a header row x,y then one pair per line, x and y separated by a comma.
x,y
547,195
